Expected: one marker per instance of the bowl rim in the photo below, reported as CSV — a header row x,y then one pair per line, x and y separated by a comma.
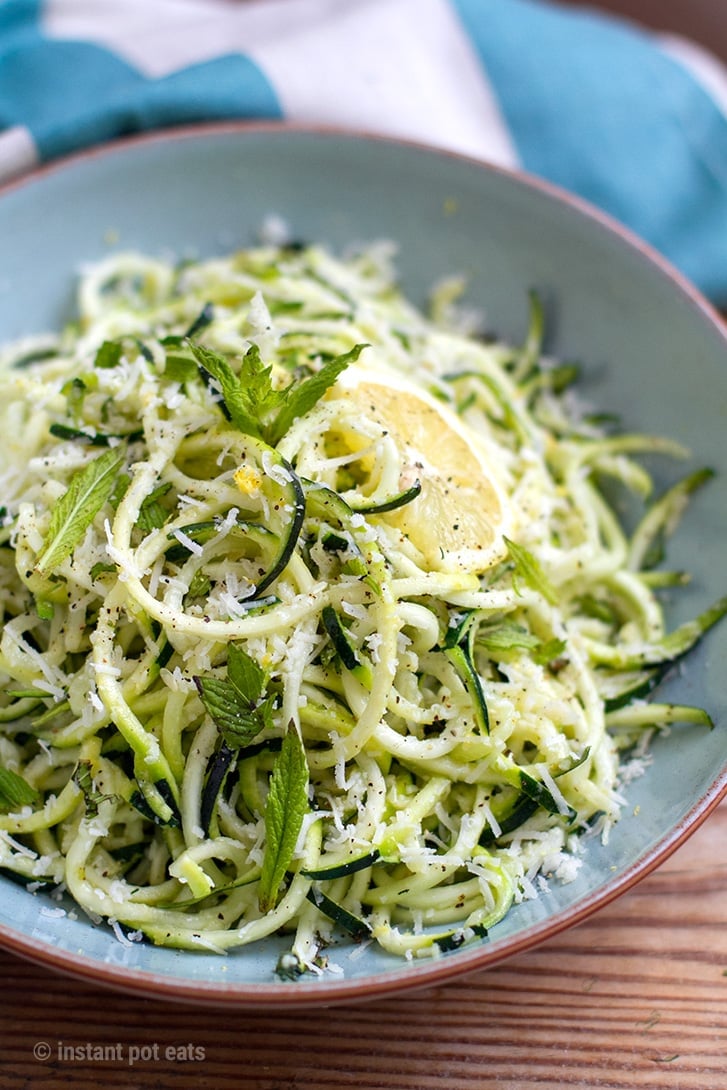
x,y
140,982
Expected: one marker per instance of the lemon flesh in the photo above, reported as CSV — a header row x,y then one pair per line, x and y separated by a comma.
x,y
458,519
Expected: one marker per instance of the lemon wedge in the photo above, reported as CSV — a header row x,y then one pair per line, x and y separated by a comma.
x,y
458,520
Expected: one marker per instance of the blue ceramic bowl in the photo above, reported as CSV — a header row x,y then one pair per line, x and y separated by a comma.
x,y
653,351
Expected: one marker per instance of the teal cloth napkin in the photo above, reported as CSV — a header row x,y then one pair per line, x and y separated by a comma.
x,y
633,122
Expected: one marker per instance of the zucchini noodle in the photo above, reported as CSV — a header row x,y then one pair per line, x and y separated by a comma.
x,y
360,659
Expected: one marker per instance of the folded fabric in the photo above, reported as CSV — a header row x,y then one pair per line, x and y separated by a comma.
x,y
634,123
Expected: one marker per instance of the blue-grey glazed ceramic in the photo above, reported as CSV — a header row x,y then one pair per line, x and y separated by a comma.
x,y
652,350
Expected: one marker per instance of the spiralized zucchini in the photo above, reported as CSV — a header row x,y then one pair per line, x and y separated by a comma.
x,y
285,652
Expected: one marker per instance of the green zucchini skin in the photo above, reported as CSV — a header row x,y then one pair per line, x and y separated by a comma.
x,y
293,497
460,658
399,500
523,808
353,925
221,764
341,870
279,538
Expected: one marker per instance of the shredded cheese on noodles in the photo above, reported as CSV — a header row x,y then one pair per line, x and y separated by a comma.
x,y
443,638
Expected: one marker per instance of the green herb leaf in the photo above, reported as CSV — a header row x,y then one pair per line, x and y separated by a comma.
x,y
300,397
44,609
238,718
152,514
108,355
15,792
529,570
180,369
100,569
286,806
119,489
511,637
550,652
83,778
236,703
255,380
87,492
245,674
199,584
253,404
235,398
507,637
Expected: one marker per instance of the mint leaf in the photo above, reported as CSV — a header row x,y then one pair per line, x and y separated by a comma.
x,y
529,570
257,387
83,778
507,637
121,485
180,369
152,514
15,792
250,399
101,569
199,585
238,718
235,703
245,674
87,492
300,397
514,637
285,808
235,400
44,609
108,355
550,652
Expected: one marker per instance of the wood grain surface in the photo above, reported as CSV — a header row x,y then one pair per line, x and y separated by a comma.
x,y
634,997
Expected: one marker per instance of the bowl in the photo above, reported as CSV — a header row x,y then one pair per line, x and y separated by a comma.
x,y
653,351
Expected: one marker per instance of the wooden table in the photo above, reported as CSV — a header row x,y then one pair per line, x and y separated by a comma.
x,y
634,997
